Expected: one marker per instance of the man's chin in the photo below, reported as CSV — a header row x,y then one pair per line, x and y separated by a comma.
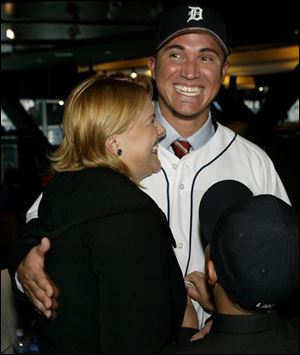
x,y
184,114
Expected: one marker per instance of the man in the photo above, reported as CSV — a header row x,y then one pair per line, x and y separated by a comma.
x,y
252,266
189,65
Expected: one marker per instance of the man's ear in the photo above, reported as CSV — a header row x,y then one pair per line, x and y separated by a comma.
x,y
111,144
224,70
151,65
212,276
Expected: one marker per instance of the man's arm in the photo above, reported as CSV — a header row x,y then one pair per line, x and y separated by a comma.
x,y
26,265
37,286
190,319
33,210
198,289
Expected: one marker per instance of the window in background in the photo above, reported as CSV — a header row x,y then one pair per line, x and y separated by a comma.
x,y
293,113
253,105
48,115
6,122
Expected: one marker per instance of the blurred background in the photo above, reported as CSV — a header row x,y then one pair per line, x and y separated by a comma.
x,y
47,47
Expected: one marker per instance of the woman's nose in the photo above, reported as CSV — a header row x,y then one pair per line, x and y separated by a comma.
x,y
161,130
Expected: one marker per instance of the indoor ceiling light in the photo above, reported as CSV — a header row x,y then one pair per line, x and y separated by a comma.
x,y
10,34
133,74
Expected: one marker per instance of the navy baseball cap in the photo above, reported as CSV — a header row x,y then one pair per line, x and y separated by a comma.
x,y
254,246
216,200
186,18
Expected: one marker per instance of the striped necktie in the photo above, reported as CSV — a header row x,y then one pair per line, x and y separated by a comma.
x,y
181,148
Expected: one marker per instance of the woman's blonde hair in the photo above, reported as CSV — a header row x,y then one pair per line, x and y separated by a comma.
x,y
96,109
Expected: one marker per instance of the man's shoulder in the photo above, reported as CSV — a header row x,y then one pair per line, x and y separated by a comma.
x,y
228,133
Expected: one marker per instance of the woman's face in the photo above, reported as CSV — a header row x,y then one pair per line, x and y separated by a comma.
x,y
140,142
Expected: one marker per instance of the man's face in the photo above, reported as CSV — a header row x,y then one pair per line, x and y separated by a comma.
x,y
188,72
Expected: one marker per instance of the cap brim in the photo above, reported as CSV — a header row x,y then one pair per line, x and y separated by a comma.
x,y
192,30
216,200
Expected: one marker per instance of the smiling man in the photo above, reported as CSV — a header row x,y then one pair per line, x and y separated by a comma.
x,y
189,65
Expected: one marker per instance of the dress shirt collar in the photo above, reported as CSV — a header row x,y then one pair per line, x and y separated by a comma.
x,y
196,141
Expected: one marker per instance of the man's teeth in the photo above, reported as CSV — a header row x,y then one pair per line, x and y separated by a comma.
x,y
187,90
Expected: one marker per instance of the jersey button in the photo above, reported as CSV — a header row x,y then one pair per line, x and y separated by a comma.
x,y
181,186
180,245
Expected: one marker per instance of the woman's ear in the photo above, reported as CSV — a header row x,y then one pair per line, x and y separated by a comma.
x,y
212,276
111,144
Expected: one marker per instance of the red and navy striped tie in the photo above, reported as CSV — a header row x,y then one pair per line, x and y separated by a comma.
x,y
181,148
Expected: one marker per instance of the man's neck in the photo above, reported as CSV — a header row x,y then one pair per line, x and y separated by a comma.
x,y
186,126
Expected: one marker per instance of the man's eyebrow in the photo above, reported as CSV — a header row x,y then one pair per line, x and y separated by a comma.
x,y
205,50
174,46
201,50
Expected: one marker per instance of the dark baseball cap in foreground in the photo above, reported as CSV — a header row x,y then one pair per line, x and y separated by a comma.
x,y
254,243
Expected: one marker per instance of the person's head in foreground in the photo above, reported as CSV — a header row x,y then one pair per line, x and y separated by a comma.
x,y
110,122
253,253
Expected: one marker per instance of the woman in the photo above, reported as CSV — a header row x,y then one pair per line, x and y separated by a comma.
x,y
120,287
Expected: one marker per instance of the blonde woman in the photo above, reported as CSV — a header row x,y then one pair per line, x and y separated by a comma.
x,y
120,286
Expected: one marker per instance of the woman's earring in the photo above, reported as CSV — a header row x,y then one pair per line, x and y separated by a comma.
x,y
119,152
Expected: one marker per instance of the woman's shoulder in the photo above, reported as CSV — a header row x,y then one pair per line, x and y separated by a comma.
x,y
94,187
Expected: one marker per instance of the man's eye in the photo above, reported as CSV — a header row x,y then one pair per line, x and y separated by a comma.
x,y
207,59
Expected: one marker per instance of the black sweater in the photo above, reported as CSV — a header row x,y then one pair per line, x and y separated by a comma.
x,y
121,288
